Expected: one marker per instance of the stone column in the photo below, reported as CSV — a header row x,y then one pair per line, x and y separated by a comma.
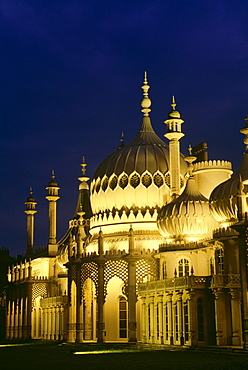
x,y
100,292
192,318
152,319
170,317
160,314
144,320
131,289
236,317
180,318
79,308
219,317
132,298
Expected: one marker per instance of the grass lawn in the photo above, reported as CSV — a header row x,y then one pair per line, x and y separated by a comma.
x,y
48,356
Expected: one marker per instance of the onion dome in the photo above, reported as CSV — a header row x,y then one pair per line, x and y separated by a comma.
x,y
137,174
30,198
188,217
52,182
228,200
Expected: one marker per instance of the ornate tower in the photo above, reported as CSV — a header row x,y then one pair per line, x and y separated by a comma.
x,y
30,211
52,197
174,134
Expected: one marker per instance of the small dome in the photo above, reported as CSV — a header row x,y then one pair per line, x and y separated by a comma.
x,y
224,198
187,217
174,114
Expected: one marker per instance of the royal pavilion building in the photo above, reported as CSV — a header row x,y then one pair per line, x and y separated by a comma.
x,y
155,252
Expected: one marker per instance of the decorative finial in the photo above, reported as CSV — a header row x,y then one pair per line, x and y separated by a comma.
x,y
30,190
53,174
190,159
122,139
83,165
245,132
173,102
146,102
83,178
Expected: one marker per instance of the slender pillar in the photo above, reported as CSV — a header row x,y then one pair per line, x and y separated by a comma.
x,y
192,318
100,293
180,318
52,197
30,211
144,320
79,308
152,320
236,317
160,313
132,297
170,317
219,317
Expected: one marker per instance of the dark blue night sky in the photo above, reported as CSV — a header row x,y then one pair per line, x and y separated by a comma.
x,y
70,79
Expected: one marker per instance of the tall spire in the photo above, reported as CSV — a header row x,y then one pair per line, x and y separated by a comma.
x,y
83,178
146,102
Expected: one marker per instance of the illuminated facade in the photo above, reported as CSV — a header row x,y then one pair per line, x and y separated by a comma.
x,y
151,255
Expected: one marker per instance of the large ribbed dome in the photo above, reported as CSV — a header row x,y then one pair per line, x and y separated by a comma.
x,y
224,198
188,217
137,175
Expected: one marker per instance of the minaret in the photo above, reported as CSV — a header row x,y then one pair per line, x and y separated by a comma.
x,y
174,134
52,197
30,211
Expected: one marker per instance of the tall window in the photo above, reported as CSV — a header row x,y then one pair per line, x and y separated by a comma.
x,y
220,260
200,320
123,317
183,267
164,272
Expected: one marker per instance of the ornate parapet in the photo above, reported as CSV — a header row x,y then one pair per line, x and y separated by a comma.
x,y
185,282
213,165
225,281
223,232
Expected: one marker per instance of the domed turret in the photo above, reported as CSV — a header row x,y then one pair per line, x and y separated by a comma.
x,y
228,200
188,217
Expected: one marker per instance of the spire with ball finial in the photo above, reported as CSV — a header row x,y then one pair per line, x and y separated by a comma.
x,y
146,102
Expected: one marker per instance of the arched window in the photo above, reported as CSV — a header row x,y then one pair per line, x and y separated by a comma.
x,y
200,320
183,267
122,317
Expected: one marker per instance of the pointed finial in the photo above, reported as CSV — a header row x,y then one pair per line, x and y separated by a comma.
x,y
83,165
173,102
122,139
146,102
30,190
190,159
53,174
83,178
